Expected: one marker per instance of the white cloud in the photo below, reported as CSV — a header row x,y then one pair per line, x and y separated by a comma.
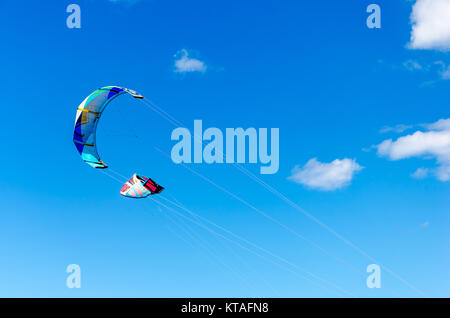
x,y
325,176
184,63
433,143
430,21
425,224
418,144
441,124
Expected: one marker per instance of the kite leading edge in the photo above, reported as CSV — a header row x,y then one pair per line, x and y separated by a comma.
x,y
87,118
84,138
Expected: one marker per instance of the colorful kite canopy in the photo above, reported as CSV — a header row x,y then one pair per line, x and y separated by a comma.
x,y
140,187
86,121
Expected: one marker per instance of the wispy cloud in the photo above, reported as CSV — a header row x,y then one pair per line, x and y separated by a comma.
x,y
420,173
412,65
432,143
425,224
326,176
443,69
397,128
439,67
441,124
435,70
445,73
185,64
430,21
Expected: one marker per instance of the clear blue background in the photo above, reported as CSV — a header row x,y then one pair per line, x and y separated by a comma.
x,y
313,69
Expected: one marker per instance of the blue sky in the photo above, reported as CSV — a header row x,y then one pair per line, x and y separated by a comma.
x,y
358,111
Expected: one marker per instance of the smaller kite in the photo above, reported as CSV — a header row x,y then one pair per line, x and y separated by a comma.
x,y
140,187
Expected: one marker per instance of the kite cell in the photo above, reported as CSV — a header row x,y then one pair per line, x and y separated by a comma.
x,y
86,121
140,187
